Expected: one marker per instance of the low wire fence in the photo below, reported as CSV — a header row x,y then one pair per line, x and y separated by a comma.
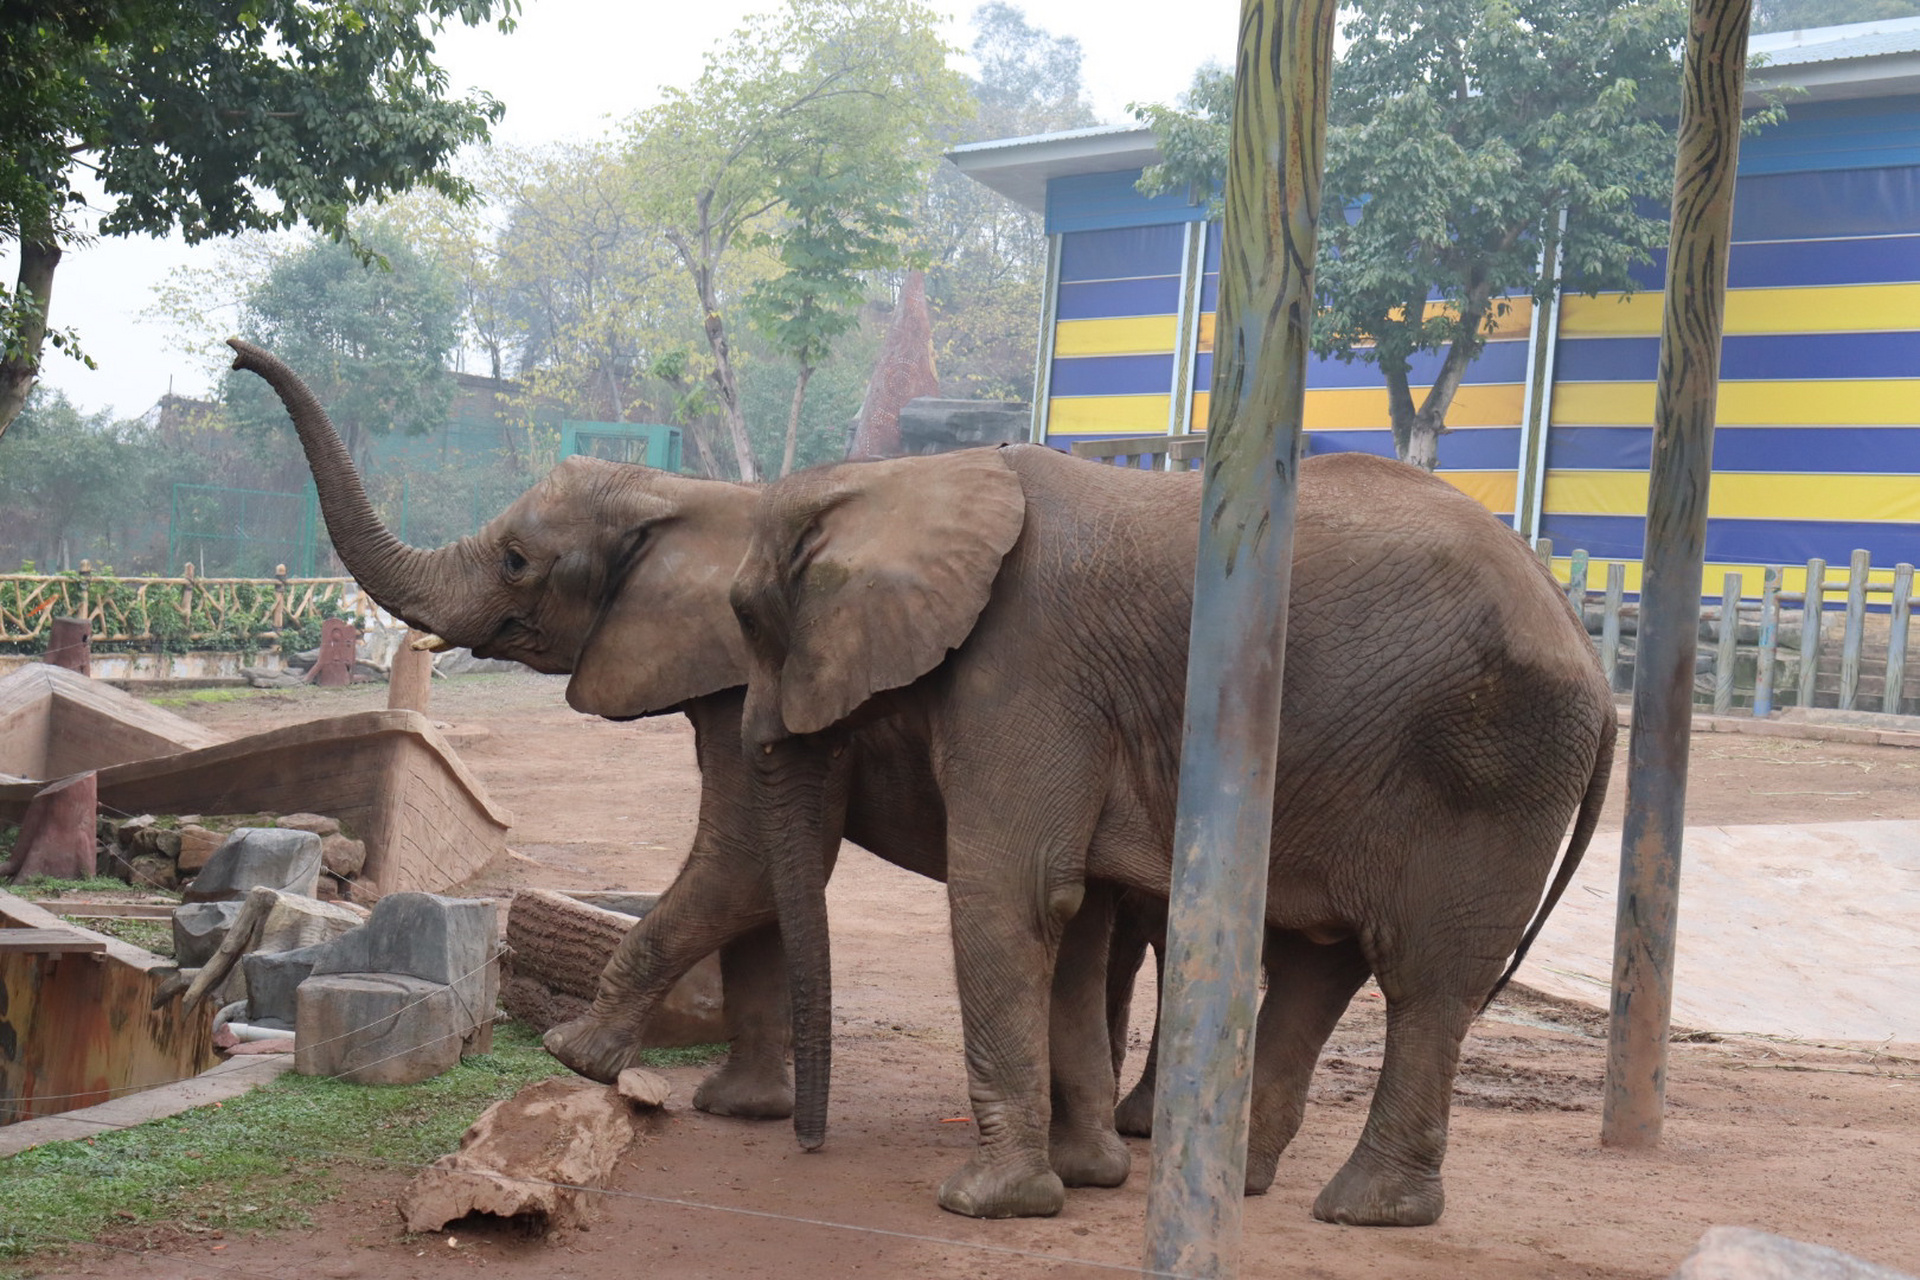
x,y
178,615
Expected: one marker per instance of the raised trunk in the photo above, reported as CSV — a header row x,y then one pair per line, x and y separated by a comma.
x,y
414,585
39,255
800,817
793,420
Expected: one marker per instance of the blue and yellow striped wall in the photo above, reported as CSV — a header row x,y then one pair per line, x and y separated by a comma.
x,y
1817,449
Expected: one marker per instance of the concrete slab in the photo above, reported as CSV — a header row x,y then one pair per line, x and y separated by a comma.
x,y
229,1079
54,722
1803,931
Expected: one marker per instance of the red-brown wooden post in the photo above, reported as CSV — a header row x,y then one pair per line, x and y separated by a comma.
x,y
1714,75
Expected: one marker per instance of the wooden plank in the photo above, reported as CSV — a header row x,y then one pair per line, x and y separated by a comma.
x,y
1577,587
1610,624
1811,615
1897,638
1728,652
1856,631
51,942
1769,644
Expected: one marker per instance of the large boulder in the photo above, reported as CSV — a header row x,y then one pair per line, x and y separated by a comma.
x,y
259,857
1741,1253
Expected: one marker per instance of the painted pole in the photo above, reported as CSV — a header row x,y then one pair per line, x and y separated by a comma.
x,y
1223,827
1712,79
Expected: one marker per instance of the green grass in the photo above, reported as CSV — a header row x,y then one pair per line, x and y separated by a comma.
x,y
48,887
142,931
187,697
262,1160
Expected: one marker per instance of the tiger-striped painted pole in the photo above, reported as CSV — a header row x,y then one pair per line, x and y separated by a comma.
x,y
1223,829
1714,76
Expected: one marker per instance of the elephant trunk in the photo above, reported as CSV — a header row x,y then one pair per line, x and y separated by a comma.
x,y
410,583
800,828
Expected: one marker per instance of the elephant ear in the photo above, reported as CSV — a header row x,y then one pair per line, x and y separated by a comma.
x,y
893,575
666,632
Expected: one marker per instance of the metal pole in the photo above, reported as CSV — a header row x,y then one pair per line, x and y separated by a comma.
x,y
1694,309
1223,829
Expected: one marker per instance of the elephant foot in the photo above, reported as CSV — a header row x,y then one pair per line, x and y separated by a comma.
x,y
1363,1196
1261,1168
1134,1115
594,1049
982,1190
1097,1159
747,1091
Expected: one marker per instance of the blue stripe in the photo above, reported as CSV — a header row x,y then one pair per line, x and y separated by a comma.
x,y
1103,299
1499,362
1750,357
1210,292
1779,542
1806,206
1794,450
1799,263
1121,253
1112,376
1099,201
1474,449
1835,135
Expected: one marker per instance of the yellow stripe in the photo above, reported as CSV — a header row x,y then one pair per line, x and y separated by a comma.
x,y
1854,402
1107,415
1126,335
1513,324
1713,578
1745,495
1851,308
1491,489
1365,408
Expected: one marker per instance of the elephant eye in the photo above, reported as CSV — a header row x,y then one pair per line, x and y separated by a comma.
x,y
516,563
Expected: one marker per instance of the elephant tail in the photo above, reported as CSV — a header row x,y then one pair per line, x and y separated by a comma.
x,y
1583,825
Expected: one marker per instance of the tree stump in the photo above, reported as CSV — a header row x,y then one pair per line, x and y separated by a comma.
x,y
334,667
410,678
71,645
57,832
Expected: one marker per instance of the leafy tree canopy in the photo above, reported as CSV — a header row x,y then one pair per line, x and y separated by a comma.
x,y
1459,132
213,117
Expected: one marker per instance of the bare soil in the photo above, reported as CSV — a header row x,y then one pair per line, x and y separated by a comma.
x,y
1817,1142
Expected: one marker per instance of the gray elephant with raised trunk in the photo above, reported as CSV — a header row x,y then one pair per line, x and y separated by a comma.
x,y
618,574
1443,720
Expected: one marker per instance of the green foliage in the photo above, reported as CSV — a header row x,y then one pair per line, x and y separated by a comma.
x,y
1798,15
42,887
258,1161
73,478
147,934
370,337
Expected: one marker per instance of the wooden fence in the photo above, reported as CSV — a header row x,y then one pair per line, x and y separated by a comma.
x,y
1765,658
183,612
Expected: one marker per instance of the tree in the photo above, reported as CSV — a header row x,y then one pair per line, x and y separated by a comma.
x,y
66,480
1798,15
212,117
370,338
1460,132
839,227
821,79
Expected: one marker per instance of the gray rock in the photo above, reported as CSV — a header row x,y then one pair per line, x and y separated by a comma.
x,y
273,984
446,941
376,1028
259,856
198,929
1741,1253
151,871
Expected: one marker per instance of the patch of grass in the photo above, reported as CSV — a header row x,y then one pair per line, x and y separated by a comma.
x,y
693,1055
49,887
188,697
142,931
255,1162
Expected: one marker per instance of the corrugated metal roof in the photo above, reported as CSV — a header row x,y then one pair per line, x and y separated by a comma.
x,y
1839,44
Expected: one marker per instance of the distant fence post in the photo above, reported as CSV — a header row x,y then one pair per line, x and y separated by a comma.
x,y
1728,652
1577,586
1769,644
1610,623
1897,638
1812,614
1854,637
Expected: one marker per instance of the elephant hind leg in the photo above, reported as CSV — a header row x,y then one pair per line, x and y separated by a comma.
x,y
1141,922
753,1083
1309,987
1082,1146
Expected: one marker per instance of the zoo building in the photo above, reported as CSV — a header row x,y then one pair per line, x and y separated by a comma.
x,y
1817,443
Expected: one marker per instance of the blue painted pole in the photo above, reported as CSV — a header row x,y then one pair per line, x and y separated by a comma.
x,y
1223,828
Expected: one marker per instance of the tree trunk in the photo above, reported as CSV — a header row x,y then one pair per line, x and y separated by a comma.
x,y
39,255
724,380
1430,423
1400,412
793,420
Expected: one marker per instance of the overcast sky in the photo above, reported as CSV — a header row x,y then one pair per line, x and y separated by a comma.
x,y
570,68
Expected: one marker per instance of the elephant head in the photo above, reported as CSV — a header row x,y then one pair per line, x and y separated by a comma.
x,y
858,579
613,572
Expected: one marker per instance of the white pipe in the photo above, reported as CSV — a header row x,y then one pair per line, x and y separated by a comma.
x,y
247,1031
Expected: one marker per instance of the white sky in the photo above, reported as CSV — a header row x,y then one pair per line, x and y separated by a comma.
x,y
570,68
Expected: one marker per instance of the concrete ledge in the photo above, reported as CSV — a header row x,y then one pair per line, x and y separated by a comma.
x,y
229,1079
1864,735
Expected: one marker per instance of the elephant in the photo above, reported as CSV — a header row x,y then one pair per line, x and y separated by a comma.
x,y
1443,719
618,575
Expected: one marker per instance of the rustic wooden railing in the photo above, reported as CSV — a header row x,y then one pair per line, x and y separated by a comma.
x,y
188,611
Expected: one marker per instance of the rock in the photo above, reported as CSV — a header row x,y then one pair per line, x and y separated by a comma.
x,y
276,1045
165,843
1741,1253
377,1028
328,889
648,1090
197,845
932,425
132,827
559,1131
198,930
57,831
255,857
446,941
273,984
151,871
271,921
341,856
320,826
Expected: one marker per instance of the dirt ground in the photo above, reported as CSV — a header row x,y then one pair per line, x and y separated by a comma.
x,y
1819,1143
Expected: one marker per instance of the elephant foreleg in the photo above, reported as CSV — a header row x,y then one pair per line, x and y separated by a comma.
x,y
1081,1143
754,1083
1309,986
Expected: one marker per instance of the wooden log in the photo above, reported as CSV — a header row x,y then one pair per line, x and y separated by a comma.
x,y
1543,548
1856,630
57,831
1610,624
1769,644
51,942
410,677
1726,653
70,645
1897,638
1811,615
1577,586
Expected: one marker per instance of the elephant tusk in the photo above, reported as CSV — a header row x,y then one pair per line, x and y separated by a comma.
x,y
430,644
